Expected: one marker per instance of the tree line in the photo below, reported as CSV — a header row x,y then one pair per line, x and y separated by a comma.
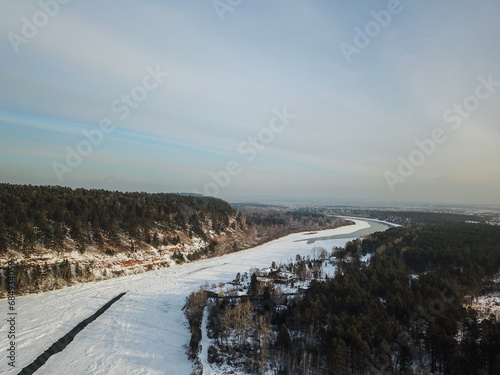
x,y
46,215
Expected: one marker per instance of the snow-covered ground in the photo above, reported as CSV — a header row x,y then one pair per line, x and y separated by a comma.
x,y
205,344
354,218
487,305
145,332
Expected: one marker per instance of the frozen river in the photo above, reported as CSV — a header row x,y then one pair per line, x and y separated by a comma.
x,y
145,332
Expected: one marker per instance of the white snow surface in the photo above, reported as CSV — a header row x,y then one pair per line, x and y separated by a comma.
x,y
205,344
145,332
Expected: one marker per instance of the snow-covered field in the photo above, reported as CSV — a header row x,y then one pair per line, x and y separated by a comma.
x,y
145,331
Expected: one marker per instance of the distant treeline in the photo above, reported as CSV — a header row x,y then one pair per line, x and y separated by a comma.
x,y
402,217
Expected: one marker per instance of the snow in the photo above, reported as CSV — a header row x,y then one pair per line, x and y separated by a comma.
x,y
486,305
366,258
145,332
329,270
205,343
356,218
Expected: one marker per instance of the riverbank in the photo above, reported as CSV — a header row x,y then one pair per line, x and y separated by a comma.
x,y
47,270
145,331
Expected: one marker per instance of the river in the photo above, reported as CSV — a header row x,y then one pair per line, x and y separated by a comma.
x,y
145,332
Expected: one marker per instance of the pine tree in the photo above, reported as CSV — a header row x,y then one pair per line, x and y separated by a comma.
x,y
252,288
156,240
29,239
338,359
98,239
4,241
283,340
58,237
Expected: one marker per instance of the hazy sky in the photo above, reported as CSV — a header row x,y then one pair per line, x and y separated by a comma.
x,y
318,99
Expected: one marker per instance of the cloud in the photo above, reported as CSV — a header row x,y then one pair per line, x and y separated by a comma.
x,y
353,120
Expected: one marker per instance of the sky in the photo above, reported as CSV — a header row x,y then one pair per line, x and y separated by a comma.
x,y
345,101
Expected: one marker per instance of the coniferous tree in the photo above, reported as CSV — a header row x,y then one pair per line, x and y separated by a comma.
x,y
252,288
283,338
58,237
156,240
338,364
4,240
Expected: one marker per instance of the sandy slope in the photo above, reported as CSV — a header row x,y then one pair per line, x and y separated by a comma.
x,y
145,331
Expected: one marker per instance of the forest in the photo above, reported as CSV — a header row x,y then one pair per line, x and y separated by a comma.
x,y
405,311
46,214
58,235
